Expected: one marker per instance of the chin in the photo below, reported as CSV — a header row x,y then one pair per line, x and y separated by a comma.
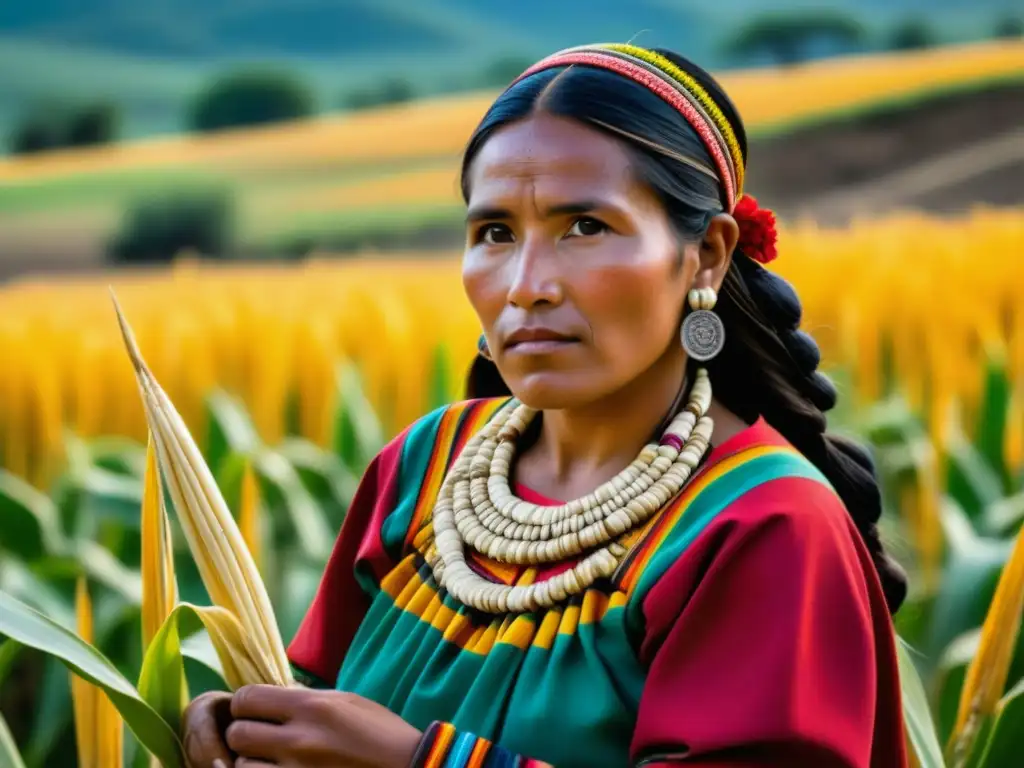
x,y
551,391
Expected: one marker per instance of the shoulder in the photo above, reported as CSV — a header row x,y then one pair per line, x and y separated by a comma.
x,y
442,431
757,492
417,459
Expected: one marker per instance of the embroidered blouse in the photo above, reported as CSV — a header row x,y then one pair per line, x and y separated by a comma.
x,y
746,627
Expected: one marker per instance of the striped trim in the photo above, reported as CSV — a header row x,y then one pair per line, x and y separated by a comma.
x,y
457,425
660,86
708,495
656,533
442,741
442,746
412,590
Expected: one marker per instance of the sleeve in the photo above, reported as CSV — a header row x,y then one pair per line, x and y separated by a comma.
x,y
774,649
358,562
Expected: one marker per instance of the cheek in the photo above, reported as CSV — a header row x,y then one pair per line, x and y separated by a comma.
x,y
633,308
482,283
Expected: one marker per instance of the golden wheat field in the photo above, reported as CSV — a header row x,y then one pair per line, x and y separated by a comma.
x,y
765,97
275,334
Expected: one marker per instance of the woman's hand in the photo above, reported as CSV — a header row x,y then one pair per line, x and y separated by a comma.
x,y
302,728
205,721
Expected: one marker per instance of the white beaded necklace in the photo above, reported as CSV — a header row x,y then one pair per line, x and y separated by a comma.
x,y
476,508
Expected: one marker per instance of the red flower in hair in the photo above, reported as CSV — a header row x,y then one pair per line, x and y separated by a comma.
x,y
758,235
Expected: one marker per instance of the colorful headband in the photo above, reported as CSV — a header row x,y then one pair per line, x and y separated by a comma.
x,y
681,90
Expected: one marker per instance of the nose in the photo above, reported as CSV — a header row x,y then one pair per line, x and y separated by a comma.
x,y
536,276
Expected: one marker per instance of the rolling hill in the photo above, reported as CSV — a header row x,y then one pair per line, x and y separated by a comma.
x,y
150,56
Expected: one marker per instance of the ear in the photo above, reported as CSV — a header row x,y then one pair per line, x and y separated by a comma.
x,y
716,251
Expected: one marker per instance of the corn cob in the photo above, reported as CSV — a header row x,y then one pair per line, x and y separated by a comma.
x,y
223,560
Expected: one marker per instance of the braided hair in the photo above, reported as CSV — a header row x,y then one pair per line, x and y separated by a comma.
x,y
760,310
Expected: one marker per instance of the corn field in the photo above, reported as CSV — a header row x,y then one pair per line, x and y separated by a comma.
x,y
291,377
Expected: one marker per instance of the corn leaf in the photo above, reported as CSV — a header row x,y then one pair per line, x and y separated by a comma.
x,y
250,519
283,489
159,589
24,625
29,522
922,741
163,666
229,430
323,474
162,678
105,495
950,679
995,406
971,480
1003,748
968,582
987,673
358,435
9,755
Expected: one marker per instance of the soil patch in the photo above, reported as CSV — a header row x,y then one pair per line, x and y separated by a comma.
x,y
790,171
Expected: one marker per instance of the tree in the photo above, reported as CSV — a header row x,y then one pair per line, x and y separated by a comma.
x,y
393,90
33,134
251,97
787,37
503,71
92,124
911,34
1009,27
56,125
158,228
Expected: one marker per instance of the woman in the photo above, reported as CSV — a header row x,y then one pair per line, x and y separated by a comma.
x,y
521,581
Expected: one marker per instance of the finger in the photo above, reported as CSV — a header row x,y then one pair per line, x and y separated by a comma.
x,y
203,724
254,739
245,762
266,702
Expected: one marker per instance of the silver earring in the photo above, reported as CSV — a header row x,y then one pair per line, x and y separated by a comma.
x,y
702,334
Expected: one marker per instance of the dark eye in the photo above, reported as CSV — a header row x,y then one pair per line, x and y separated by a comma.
x,y
494,234
587,227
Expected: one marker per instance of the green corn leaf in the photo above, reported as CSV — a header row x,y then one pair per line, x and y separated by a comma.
x,y
24,625
120,455
229,430
358,435
968,582
995,405
1005,741
441,382
1004,516
162,682
972,481
951,674
323,474
29,521
922,739
9,755
282,487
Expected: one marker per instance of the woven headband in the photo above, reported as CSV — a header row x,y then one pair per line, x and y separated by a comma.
x,y
682,91
688,98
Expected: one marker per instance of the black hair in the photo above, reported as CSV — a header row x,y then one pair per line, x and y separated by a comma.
x,y
760,310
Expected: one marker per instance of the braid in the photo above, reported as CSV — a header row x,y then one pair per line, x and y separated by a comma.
x,y
762,313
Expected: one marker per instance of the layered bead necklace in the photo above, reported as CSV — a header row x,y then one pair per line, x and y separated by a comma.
x,y
477,509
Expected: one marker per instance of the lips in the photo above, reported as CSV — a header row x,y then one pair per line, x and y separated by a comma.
x,y
538,340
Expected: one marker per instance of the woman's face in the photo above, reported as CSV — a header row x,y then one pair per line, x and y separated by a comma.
x,y
571,264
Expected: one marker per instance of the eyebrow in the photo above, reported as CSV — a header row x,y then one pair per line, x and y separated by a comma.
x,y
562,209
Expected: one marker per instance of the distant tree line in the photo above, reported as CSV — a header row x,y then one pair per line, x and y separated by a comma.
x,y
49,127
259,96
